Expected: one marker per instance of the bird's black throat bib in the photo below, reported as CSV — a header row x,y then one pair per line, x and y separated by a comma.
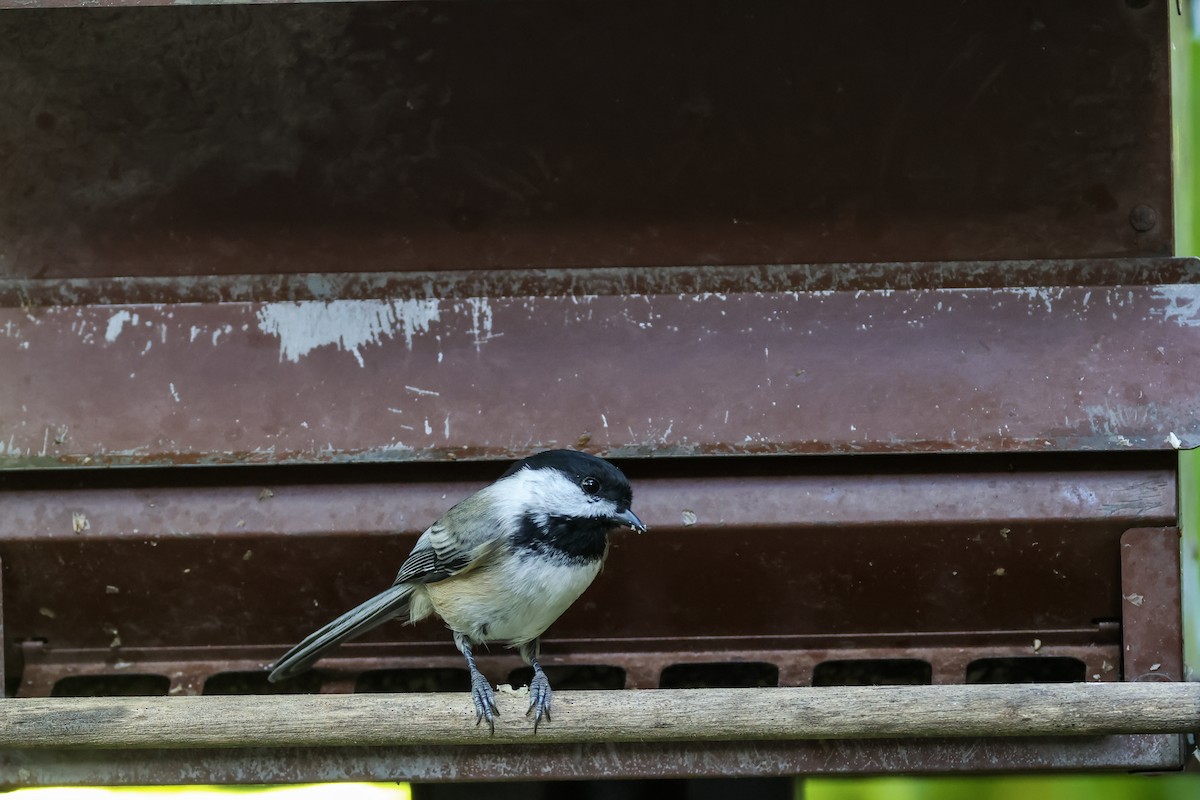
x,y
567,538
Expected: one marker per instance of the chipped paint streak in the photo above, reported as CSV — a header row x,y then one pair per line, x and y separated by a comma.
x,y
1045,295
347,324
1182,304
116,322
481,320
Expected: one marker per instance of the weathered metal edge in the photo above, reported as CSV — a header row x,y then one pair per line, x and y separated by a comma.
x,y
451,284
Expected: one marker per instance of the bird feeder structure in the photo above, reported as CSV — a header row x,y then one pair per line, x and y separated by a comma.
x,y
875,303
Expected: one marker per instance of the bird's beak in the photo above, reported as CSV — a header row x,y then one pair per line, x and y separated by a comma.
x,y
629,519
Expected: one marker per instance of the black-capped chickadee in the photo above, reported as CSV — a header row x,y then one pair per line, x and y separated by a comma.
x,y
500,566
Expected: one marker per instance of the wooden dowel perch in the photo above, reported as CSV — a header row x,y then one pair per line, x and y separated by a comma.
x,y
663,715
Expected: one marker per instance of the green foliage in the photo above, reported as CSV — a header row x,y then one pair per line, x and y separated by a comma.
x,y
1067,787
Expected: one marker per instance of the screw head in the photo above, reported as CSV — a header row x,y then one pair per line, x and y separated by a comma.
x,y
1143,218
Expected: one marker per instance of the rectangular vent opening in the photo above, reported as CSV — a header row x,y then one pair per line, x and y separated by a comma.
x,y
873,672
111,686
573,677
749,674
1049,669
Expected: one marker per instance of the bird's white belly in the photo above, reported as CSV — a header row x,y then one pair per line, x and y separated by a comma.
x,y
512,602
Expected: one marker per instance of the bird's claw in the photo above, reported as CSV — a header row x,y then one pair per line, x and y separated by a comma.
x,y
539,698
485,702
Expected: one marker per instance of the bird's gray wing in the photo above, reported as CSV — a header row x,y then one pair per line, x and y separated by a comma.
x,y
461,540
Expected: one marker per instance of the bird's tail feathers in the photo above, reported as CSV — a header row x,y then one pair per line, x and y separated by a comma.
x,y
376,611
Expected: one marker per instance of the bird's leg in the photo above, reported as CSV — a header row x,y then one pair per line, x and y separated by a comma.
x,y
481,691
539,687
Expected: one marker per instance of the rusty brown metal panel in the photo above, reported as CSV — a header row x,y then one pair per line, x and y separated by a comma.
x,y
950,553
943,568
492,375
134,577
517,762
1151,605
399,136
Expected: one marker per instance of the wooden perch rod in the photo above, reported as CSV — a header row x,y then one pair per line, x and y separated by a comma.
x,y
662,715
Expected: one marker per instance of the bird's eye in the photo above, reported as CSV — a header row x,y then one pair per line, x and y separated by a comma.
x,y
590,486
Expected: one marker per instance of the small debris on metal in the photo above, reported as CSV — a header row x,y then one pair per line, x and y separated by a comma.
x,y
46,612
79,522
1154,667
1135,599
1037,645
689,517
1000,572
265,494
110,589
248,555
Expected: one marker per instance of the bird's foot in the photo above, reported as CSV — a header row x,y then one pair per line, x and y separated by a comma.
x,y
539,698
484,699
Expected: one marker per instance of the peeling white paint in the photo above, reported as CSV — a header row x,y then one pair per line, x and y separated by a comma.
x,y
347,324
481,320
1182,304
116,322
425,392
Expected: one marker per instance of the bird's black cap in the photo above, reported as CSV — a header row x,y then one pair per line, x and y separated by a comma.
x,y
613,483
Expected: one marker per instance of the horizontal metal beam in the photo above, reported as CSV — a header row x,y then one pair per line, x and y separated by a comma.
x,y
1015,552
695,715
423,377
699,504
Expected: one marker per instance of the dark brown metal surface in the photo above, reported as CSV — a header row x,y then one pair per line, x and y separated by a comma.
x,y
412,375
382,136
153,589
942,568
1151,610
